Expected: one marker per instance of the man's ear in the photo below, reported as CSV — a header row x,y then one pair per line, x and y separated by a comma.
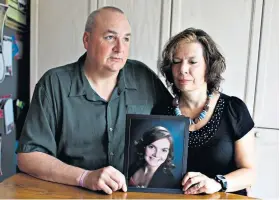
x,y
86,39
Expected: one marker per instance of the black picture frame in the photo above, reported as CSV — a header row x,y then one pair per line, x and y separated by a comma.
x,y
165,179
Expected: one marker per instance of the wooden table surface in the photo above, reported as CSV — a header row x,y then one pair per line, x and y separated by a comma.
x,y
22,186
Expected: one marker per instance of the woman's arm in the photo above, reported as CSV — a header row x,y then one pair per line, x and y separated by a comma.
x,y
195,182
245,161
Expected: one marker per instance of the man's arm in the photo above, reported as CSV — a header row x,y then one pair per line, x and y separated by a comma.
x,y
49,168
37,147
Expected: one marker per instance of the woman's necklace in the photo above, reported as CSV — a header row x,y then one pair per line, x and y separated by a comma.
x,y
203,113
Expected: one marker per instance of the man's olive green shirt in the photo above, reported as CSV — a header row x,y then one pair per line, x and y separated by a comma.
x,y
69,120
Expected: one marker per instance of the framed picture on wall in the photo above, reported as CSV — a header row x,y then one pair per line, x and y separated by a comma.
x,y
156,151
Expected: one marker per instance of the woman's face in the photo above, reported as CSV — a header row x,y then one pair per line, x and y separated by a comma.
x,y
189,66
157,152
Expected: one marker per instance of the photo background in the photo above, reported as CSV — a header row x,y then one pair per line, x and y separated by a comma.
x,y
175,127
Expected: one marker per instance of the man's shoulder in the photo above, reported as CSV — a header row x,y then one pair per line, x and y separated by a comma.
x,y
146,81
136,63
138,66
58,74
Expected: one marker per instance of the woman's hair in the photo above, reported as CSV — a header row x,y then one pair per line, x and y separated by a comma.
x,y
215,62
150,136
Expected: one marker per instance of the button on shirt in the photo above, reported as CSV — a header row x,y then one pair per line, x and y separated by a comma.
x,y
69,120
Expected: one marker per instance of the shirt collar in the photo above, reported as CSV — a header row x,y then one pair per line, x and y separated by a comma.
x,y
80,85
77,79
127,77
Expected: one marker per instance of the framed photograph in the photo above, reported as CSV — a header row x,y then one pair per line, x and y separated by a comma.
x,y
156,152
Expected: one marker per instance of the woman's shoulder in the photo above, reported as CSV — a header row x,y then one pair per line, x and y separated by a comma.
x,y
238,115
164,172
235,105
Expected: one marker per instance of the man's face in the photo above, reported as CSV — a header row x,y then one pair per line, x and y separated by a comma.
x,y
108,42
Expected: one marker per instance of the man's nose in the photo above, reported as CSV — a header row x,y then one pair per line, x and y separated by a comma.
x,y
119,46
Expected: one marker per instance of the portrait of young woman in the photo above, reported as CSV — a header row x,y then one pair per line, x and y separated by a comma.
x,y
153,163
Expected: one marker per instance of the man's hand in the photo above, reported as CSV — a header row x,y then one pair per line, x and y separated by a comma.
x,y
107,179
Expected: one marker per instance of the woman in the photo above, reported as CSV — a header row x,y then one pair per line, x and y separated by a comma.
x,y
220,142
154,163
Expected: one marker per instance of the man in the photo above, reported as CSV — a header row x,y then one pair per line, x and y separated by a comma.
x,y
75,128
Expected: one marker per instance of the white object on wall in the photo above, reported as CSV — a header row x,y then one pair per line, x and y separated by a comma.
x,y
2,68
7,54
3,11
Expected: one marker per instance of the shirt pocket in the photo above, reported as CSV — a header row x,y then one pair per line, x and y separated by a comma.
x,y
139,109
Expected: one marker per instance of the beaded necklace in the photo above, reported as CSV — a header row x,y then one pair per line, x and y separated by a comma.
x,y
203,113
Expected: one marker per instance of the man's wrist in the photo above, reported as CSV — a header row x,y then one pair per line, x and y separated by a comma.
x,y
81,179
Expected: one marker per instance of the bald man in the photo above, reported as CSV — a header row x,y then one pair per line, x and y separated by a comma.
x,y
74,132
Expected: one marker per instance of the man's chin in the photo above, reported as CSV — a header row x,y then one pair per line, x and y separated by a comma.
x,y
115,67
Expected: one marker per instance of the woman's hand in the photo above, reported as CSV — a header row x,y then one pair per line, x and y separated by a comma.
x,y
196,183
